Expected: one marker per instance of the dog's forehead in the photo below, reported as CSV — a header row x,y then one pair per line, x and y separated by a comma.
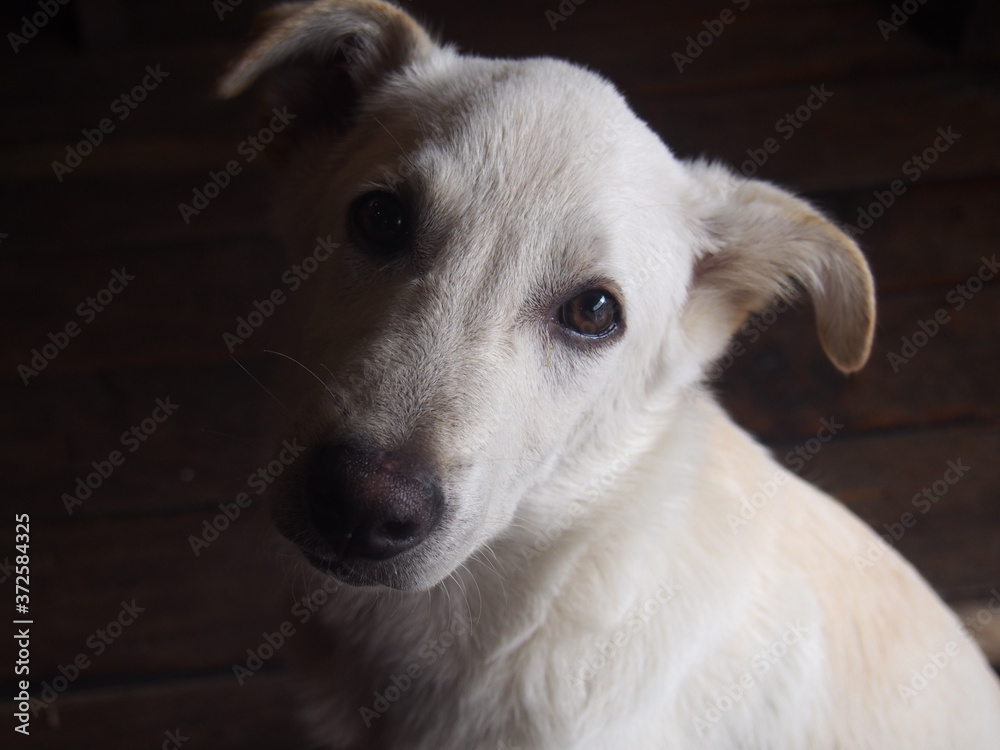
x,y
523,126
521,155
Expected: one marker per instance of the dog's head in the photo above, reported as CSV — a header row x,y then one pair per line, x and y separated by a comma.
x,y
524,278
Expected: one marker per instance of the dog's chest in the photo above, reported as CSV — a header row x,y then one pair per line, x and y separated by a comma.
x,y
454,684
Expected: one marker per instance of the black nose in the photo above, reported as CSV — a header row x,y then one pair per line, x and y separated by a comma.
x,y
371,504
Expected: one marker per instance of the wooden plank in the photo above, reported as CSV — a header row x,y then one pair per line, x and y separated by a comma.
x,y
211,713
126,212
224,427
666,58
175,308
188,21
935,234
866,133
57,96
952,534
199,614
782,382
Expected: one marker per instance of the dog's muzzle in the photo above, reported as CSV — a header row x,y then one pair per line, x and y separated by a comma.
x,y
369,504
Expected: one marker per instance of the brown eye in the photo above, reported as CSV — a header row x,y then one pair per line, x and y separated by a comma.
x,y
378,220
594,314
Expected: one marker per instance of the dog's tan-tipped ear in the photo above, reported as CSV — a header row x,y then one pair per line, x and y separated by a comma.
x,y
319,57
765,244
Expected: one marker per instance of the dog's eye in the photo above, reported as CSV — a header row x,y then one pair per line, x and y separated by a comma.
x,y
378,220
594,314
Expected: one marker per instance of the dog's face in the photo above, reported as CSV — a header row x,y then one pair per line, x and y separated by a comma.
x,y
523,271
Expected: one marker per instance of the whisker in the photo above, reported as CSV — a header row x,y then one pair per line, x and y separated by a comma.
x,y
402,151
493,567
318,378
277,400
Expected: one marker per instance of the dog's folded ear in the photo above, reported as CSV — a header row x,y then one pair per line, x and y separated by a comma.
x,y
762,245
318,58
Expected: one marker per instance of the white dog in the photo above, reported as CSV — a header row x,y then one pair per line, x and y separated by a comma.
x,y
549,534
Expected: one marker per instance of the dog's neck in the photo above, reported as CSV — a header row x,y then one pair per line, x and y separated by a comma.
x,y
508,589
528,599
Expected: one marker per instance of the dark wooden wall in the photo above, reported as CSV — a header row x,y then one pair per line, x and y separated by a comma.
x,y
160,338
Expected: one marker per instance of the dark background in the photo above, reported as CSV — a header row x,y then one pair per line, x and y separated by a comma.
x,y
162,336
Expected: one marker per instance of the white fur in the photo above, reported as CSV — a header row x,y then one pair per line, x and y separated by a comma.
x,y
590,494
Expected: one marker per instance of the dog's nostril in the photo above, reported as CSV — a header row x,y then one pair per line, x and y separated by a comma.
x,y
397,530
369,504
